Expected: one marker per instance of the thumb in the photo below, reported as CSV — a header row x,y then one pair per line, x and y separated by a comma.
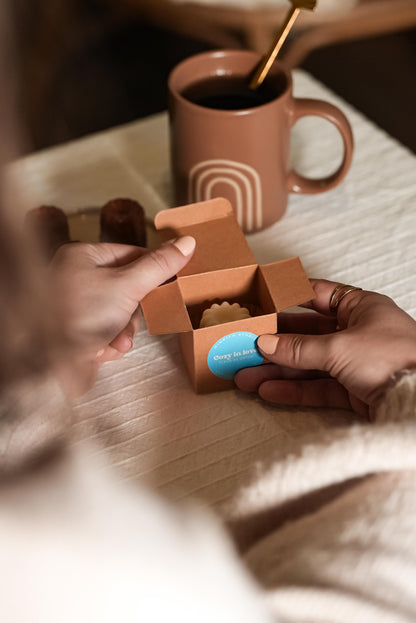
x,y
301,352
156,267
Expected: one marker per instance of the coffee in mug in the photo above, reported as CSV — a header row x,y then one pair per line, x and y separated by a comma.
x,y
230,141
231,93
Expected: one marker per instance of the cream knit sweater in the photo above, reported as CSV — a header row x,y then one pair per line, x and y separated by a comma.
x,y
327,531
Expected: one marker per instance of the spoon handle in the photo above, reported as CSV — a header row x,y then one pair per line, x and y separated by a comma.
x,y
268,60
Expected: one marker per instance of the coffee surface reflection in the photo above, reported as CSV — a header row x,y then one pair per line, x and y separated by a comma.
x,y
231,93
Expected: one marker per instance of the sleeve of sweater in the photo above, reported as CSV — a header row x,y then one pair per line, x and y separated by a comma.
x,y
79,544
329,530
399,402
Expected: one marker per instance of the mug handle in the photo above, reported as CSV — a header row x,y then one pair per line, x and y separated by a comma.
x,y
303,107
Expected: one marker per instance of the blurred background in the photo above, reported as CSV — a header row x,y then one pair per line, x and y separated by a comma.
x,y
88,65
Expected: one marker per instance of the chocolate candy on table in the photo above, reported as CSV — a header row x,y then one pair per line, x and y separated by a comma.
x,y
50,226
123,221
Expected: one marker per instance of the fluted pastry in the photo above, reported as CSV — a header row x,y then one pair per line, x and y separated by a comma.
x,y
219,314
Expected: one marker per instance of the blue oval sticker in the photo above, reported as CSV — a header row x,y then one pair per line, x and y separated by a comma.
x,y
233,352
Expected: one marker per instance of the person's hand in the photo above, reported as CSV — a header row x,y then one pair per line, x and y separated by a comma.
x,y
96,290
345,361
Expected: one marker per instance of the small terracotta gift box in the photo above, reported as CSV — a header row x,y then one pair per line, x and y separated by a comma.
x,y
223,268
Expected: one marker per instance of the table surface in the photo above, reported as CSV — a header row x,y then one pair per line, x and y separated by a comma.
x,y
142,412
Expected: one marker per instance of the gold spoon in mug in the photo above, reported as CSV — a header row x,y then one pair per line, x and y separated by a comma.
x,y
268,60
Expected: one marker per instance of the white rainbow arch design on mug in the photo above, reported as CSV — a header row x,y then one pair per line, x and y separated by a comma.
x,y
243,181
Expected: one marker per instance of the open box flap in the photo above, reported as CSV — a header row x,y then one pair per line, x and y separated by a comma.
x,y
220,242
165,311
287,283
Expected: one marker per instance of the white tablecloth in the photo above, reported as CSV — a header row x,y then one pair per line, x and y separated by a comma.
x,y
142,412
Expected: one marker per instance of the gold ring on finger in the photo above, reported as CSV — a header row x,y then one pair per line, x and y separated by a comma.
x,y
338,294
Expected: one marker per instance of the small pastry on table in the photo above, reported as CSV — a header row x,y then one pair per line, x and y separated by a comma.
x,y
123,221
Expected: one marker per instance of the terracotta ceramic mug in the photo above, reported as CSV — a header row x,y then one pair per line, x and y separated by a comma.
x,y
228,142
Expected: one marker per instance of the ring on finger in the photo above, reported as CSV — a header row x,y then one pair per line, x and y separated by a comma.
x,y
338,294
